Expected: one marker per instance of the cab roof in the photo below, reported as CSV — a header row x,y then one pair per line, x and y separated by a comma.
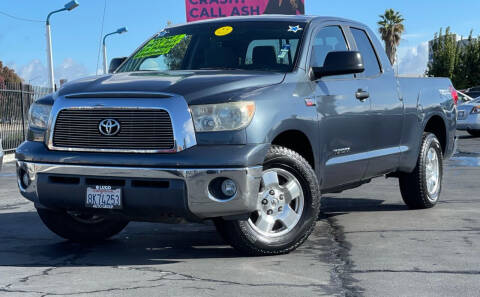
x,y
269,17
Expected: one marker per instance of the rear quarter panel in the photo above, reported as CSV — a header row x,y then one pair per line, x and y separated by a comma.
x,y
425,98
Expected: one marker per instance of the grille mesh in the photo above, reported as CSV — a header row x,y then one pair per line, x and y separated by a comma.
x,y
145,129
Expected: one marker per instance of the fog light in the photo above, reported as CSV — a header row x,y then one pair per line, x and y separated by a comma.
x,y
24,179
229,188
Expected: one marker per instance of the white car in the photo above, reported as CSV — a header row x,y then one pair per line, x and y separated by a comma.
x,y
468,117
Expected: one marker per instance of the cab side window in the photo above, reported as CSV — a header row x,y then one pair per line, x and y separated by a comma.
x,y
328,39
365,47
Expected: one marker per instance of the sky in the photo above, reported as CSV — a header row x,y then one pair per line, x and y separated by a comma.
x,y
76,34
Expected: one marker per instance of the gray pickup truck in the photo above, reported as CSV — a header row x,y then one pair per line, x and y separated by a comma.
x,y
245,121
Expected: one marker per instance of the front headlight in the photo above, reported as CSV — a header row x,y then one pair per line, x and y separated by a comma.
x,y
222,117
476,109
38,115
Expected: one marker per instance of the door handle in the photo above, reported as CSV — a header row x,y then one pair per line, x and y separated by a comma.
x,y
362,95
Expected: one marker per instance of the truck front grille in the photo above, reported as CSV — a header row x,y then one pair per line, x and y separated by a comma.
x,y
140,129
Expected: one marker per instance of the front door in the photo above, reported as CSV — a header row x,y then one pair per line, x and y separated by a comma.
x,y
344,122
387,109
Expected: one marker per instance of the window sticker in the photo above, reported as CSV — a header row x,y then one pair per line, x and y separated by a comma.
x,y
294,29
284,51
159,46
224,31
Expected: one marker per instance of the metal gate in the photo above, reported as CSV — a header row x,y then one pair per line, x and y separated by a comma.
x,y
15,101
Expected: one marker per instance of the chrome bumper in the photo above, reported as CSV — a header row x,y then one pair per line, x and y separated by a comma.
x,y
201,202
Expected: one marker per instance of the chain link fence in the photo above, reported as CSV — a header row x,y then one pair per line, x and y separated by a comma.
x,y
15,101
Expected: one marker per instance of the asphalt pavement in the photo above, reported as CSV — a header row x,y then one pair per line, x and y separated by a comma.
x,y
366,243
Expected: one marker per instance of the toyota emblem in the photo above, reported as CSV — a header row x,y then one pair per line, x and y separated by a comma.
x,y
109,127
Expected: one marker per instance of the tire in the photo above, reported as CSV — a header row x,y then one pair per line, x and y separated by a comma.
x,y
419,191
475,133
286,216
80,228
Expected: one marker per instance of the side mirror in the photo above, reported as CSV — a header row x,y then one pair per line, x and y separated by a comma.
x,y
115,63
339,63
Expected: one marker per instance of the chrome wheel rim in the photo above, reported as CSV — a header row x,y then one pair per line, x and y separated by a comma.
x,y
432,173
280,204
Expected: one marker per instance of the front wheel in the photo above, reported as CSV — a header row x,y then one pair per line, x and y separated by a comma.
x,y
421,188
287,210
80,227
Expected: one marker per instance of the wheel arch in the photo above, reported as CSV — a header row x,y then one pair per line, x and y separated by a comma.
x,y
297,141
436,124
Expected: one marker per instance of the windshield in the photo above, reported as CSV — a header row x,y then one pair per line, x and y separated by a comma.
x,y
261,46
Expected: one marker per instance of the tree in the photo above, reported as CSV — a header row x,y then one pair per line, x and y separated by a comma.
x,y
391,29
445,54
467,70
457,60
8,75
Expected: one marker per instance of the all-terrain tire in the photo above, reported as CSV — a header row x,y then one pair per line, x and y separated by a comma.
x,y
413,186
69,227
243,237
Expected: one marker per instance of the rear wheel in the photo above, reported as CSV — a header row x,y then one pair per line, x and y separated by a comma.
x,y
421,188
287,210
475,133
80,227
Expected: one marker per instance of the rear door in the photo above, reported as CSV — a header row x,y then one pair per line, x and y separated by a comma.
x,y
344,136
387,111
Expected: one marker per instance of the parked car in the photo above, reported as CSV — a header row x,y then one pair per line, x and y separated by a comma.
x,y
468,118
245,121
464,98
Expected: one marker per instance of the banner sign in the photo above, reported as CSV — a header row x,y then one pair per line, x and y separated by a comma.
x,y
209,9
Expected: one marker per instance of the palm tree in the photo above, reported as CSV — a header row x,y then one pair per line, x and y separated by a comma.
x,y
391,29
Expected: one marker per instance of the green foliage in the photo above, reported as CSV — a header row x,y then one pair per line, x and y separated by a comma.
x,y
391,29
8,75
467,70
459,61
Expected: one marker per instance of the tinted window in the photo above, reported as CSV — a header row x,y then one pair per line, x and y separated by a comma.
x,y
327,40
365,47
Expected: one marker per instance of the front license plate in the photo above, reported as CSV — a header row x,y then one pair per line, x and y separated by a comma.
x,y
104,197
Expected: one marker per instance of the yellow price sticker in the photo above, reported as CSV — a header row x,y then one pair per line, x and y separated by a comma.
x,y
223,31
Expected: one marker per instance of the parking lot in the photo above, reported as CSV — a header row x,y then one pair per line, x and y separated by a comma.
x,y
366,243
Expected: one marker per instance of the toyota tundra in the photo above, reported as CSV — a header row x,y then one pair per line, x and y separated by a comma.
x,y
244,121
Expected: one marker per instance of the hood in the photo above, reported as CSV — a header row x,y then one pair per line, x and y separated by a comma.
x,y
197,87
